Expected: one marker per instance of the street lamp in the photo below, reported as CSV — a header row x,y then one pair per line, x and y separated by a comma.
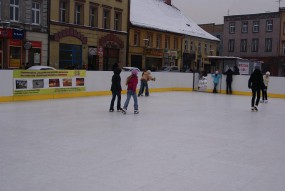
x,y
5,25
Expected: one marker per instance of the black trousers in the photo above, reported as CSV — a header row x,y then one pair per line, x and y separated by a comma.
x,y
255,97
264,94
229,87
114,95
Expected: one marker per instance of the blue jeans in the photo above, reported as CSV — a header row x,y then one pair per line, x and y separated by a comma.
x,y
144,85
130,94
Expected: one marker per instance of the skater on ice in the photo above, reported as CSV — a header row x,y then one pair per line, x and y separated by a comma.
x,y
132,82
255,83
116,89
146,76
216,78
264,90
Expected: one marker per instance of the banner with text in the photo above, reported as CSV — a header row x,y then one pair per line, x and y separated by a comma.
x,y
39,82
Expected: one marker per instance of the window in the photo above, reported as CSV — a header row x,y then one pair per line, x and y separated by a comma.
x,y
14,10
175,43
231,45
254,45
232,28
137,39
118,21
149,37
106,19
243,45
206,49
185,45
167,42
255,26
158,41
268,45
269,25
244,28
63,10
283,48
78,16
93,17
36,13
199,47
192,46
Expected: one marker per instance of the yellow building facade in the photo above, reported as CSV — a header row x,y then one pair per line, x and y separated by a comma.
x,y
195,53
88,34
153,49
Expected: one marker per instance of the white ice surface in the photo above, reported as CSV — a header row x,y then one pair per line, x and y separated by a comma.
x,y
180,141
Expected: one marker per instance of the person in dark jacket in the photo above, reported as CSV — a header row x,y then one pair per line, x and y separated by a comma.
x,y
229,80
255,83
116,89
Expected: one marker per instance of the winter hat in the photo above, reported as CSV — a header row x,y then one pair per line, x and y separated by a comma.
x,y
149,71
217,72
267,73
134,72
257,68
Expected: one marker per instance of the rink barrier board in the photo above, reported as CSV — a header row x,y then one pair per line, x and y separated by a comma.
x,y
80,94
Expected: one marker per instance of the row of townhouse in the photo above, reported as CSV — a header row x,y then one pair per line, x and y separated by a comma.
x,y
95,34
254,36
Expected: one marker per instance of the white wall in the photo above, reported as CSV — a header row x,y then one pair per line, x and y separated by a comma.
x,y
6,83
101,81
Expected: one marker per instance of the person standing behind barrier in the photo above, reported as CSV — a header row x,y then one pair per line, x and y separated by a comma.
x,y
229,80
255,83
132,82
216,78
146,76
116,89
264,90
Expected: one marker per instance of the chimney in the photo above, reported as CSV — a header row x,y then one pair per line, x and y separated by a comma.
x,y
168,2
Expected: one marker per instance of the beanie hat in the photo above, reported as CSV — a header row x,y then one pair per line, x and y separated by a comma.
x,y
134,72
267,73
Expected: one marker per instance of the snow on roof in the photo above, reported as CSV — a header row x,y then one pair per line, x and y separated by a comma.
x,y
158,15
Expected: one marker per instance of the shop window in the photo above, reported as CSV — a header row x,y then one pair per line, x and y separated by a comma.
x,y
15,57
14,10
35,56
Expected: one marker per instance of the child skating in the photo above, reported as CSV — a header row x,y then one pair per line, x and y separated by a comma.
x,y
132,82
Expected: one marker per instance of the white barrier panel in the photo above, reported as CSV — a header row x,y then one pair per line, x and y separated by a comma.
x,y
100,81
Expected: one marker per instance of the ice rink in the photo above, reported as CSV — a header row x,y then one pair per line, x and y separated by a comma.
x,y
180,141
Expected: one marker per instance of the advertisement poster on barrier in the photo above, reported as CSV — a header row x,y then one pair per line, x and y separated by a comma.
x,y
39,82
243,67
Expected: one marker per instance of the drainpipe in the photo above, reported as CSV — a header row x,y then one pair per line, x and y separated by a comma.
x,y
48,31
128,33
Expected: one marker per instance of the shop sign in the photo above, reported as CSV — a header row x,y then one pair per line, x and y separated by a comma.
x,y
15,42
243,67
14,63
36,44
18,34
6,33
154,52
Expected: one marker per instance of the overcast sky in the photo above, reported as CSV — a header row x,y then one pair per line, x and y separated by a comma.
x,y
213,11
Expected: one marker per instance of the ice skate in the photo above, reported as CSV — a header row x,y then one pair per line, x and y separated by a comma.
x,y
261,101
255,108
124,111
136,112
111,110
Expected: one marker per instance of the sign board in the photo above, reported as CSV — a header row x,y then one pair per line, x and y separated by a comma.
x,y
243,67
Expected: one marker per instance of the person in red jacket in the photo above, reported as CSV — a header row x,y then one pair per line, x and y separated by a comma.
x,y
132,82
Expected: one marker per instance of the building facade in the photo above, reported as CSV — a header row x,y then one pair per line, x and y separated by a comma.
x,y
152,49
88,34
23,33
256,37
195,52
216,30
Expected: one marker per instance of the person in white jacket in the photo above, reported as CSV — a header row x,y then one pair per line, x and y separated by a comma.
x,y
264,91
